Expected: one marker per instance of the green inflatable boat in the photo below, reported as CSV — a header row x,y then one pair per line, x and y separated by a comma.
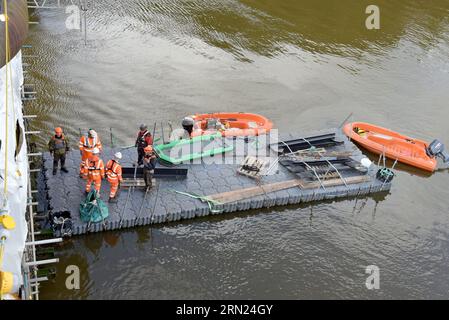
x,y
186,150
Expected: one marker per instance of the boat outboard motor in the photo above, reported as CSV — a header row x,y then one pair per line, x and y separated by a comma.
x,y
187,124
436,149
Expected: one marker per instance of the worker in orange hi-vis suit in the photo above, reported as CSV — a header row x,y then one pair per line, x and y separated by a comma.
x,y
114,175
87,145
94,167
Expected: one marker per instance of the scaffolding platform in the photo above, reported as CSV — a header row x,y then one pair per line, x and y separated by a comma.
x,y
181,195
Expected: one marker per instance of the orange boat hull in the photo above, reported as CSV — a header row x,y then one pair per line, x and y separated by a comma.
x,y
233,124
395,146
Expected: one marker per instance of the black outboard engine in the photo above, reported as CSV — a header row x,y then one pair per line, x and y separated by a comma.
x,y
436,149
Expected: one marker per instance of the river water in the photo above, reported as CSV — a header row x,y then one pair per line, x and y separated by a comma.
x,y
304,64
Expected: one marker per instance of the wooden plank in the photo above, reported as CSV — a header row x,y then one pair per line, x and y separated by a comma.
x,y
236,195
337,182
241,194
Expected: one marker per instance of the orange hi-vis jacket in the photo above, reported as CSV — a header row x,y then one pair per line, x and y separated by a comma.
x,y
87,145
94,168
114,171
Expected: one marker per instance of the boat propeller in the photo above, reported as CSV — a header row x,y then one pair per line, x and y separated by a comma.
x,y
436,149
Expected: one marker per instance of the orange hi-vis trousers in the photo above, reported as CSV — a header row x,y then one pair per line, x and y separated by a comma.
x,y
96,181
114,174
114,188
95,172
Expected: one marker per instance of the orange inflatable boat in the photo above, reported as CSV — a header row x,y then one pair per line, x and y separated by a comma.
x,y
407,150
229,124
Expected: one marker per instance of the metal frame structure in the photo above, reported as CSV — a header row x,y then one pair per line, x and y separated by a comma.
x,y
30,263
44,4
52,4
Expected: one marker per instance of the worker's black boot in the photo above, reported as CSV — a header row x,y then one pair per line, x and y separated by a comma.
x,y
112,200
64,169
55,166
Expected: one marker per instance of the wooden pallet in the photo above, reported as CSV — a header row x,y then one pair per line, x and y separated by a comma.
x,y
253,167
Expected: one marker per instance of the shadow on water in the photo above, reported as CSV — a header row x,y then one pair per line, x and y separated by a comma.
x,y
152,241
377,198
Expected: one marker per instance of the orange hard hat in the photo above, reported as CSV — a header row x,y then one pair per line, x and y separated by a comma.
x,y
148,149
58,130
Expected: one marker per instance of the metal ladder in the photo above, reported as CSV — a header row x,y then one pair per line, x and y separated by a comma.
x,y
30,263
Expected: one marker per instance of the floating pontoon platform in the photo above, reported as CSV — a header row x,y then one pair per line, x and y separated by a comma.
x,y
169,199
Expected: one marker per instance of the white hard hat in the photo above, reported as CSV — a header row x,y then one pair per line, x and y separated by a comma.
x,y
118,155
93,133
96,151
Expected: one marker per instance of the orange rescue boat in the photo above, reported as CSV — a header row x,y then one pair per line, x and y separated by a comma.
x,y
230,124
396,146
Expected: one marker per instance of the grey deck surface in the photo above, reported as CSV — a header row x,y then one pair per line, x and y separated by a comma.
x,y
65,191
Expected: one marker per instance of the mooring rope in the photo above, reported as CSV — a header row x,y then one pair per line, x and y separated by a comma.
x,y
210,202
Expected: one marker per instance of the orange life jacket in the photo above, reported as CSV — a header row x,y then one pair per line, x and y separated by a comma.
x,y
94,168
113,171
87,144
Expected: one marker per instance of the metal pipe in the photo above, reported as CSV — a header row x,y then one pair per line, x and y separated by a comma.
x,y
346,119
34,280
42,242
162,133
112,139
41,262
154,130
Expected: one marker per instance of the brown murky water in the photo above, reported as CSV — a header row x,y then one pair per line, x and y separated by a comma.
x,y
305,65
